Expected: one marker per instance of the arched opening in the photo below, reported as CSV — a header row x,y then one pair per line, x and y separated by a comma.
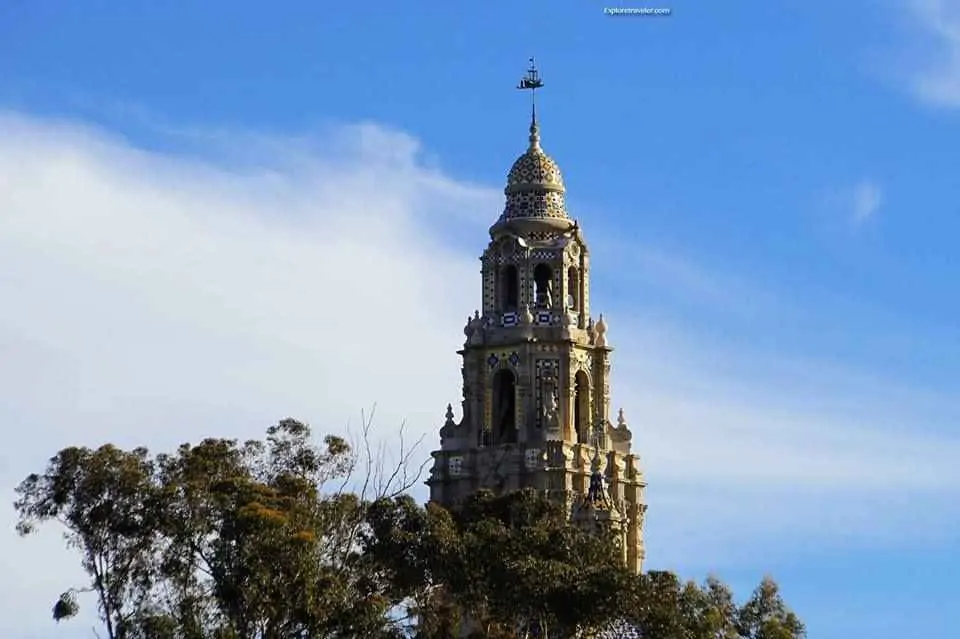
x,y
509,289
543,286
573,288
504,407
486,438
581,407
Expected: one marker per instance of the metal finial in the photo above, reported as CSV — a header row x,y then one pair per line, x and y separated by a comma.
x,y
532,81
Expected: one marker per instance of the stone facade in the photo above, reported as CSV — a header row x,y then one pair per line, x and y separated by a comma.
x,y
536,371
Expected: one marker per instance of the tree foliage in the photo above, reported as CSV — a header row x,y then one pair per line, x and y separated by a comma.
x,y
262,540
509,564
219,539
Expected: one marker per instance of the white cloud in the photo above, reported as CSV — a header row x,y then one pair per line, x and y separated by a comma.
x,y
155,298
159,299
933,68
741,446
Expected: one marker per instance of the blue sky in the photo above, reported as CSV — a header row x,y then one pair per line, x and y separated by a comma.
x,y
272,195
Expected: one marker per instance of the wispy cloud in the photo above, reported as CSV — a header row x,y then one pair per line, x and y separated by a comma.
x,y
773,443
856,204
865,200
933,68
156,298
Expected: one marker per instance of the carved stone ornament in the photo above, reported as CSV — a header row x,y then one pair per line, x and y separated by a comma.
x,y
526,317
600,331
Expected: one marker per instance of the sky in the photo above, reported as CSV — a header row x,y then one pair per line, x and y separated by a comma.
x,y
217,215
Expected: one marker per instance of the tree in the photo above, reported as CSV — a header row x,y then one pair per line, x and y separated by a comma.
x,y
766,616
108,502
514,567
221,539
664,607
509,564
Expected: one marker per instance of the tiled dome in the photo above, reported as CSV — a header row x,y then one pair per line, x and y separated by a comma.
x,y
535,169
534,189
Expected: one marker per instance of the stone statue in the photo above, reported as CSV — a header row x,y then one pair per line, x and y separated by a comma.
x,y
551,404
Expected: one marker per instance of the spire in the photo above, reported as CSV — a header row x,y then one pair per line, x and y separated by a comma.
x,y
534,133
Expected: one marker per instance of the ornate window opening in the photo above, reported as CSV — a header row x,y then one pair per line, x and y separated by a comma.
x,y
573,288
504,407
509,285
581,407
543,286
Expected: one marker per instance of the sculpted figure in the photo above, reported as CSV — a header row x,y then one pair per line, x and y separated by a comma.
x,y
551,405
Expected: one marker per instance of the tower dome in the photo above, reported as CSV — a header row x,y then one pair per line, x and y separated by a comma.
x,y
534,170
535,192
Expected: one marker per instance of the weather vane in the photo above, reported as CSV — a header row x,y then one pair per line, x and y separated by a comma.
x,y
532,82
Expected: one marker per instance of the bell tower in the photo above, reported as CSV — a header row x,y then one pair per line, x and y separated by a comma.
x,y
536,368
